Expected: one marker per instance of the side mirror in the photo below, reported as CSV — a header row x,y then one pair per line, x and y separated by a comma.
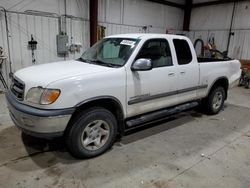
x,y
142,65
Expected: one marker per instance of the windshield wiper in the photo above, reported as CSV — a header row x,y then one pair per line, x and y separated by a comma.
x,y
84,60
99,62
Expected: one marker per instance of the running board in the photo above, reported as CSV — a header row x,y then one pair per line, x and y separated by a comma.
x,y
159,114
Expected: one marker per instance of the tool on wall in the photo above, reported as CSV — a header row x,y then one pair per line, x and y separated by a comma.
x,y
145,28
73,47
3,59
100,32
32,44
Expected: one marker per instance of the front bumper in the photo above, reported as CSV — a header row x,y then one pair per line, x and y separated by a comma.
x,y
44,123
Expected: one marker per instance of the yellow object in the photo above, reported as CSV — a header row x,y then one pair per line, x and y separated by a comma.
x,y
100,32
50,96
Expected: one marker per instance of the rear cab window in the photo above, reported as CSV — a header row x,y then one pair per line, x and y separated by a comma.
x,y
183,52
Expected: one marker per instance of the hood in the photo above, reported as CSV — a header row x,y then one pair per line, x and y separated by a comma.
x,y
42,75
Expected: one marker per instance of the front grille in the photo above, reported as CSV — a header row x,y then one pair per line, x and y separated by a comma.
x,y
17,88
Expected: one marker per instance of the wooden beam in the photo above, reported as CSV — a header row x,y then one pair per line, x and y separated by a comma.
x,y
93,20
168,3
196,5
187,15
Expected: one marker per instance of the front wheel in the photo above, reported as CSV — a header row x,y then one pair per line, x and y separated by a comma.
x,y
91,133
215,100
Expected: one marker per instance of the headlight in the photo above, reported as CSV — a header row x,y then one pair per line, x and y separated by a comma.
x,y
34,95
40,95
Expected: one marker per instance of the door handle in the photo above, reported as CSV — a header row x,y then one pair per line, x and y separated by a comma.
x,y
171,74
183,72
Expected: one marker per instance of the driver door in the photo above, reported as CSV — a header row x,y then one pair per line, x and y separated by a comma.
x,y
153,89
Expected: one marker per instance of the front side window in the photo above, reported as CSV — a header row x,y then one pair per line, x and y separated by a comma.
x,y
183,53
158,51
110,51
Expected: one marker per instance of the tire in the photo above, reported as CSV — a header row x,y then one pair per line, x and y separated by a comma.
x,y
215,100
91,133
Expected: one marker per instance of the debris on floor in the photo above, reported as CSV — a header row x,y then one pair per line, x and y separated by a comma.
x,y
248,134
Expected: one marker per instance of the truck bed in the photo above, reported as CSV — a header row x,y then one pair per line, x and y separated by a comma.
x,y
210,70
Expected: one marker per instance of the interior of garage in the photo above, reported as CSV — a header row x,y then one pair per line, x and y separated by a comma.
x,y
45,20
189,149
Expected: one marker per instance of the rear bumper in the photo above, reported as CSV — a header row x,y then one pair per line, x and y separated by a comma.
x,y
42,123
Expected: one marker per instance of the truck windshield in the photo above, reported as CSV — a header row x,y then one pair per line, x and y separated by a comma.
x,y
112,52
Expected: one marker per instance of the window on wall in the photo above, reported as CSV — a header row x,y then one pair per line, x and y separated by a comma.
x,y
158,51
183,52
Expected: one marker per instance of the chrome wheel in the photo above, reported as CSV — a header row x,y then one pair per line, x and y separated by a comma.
x,y
95,135
217,100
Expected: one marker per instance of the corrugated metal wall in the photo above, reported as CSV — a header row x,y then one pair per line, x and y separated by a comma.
x,y
43,28
113,28
44,31
215,21
126,16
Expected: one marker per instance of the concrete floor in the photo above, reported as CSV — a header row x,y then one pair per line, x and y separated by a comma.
x,y
188,150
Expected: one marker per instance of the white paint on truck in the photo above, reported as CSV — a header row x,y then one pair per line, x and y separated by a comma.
x,y
79,81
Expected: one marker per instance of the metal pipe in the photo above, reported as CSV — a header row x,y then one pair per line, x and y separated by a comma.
x,y
214,30
46,14
93,15
168,3
122,16
113,23
187,15
65,16
7,37
41,13
216,2
230,29
75,17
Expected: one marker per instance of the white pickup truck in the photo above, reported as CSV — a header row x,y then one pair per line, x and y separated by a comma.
x,y
121,82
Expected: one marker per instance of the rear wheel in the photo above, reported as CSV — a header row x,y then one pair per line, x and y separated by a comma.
x,y
91,133
215,100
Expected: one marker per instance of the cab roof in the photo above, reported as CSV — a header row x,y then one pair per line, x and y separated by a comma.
x,y
146,36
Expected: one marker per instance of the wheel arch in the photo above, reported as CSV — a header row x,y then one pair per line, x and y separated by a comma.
x,y
221,81
108,102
